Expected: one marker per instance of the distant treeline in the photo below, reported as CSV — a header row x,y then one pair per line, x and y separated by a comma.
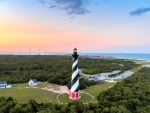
x,y
55,69
132,95
95,66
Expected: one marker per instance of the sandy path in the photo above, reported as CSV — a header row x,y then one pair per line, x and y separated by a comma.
x,y
58,89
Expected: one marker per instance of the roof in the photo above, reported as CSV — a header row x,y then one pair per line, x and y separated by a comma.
x,y
34,80
3,82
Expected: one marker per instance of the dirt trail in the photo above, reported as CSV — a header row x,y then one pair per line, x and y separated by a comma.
x,y
58,89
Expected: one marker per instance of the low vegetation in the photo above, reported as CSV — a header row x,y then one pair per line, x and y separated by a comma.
x,y
105,65
22,93
54,69
131,95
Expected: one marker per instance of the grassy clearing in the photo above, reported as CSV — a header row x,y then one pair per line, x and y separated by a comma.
x,y
21,85
85,98
40,85
97,89
92,90
46,84
136,69
24,94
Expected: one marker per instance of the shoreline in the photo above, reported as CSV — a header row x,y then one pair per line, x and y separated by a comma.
x,y
130,56
126,56
110,57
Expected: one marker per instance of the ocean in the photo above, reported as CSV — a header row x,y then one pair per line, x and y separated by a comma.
x,y
137,56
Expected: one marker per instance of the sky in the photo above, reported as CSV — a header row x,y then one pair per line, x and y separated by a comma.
x,y
106,26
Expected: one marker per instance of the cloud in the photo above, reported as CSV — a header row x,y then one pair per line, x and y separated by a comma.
x,y
72,7
140,11
42,1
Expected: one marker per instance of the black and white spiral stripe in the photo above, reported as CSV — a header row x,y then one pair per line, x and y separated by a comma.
x,y
75,76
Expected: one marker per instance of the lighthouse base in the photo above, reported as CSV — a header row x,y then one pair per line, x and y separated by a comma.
x,y
74,96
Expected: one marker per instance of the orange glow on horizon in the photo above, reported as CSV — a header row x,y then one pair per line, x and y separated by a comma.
x,y
25,34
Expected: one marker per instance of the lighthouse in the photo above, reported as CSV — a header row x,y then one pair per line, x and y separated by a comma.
x,y
74,91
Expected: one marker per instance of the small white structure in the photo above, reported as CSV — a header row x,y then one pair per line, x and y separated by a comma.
x,y
146,65
33,82
110,80
3,84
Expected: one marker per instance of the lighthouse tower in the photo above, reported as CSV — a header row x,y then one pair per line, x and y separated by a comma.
x,y
74,92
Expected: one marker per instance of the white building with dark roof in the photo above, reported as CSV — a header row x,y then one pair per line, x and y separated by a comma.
x,y
4,84
33,82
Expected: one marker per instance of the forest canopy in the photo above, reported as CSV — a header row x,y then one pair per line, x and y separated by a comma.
x,y
55,69
132,95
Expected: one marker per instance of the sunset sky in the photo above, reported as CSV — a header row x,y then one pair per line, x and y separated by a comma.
x,y
89,25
